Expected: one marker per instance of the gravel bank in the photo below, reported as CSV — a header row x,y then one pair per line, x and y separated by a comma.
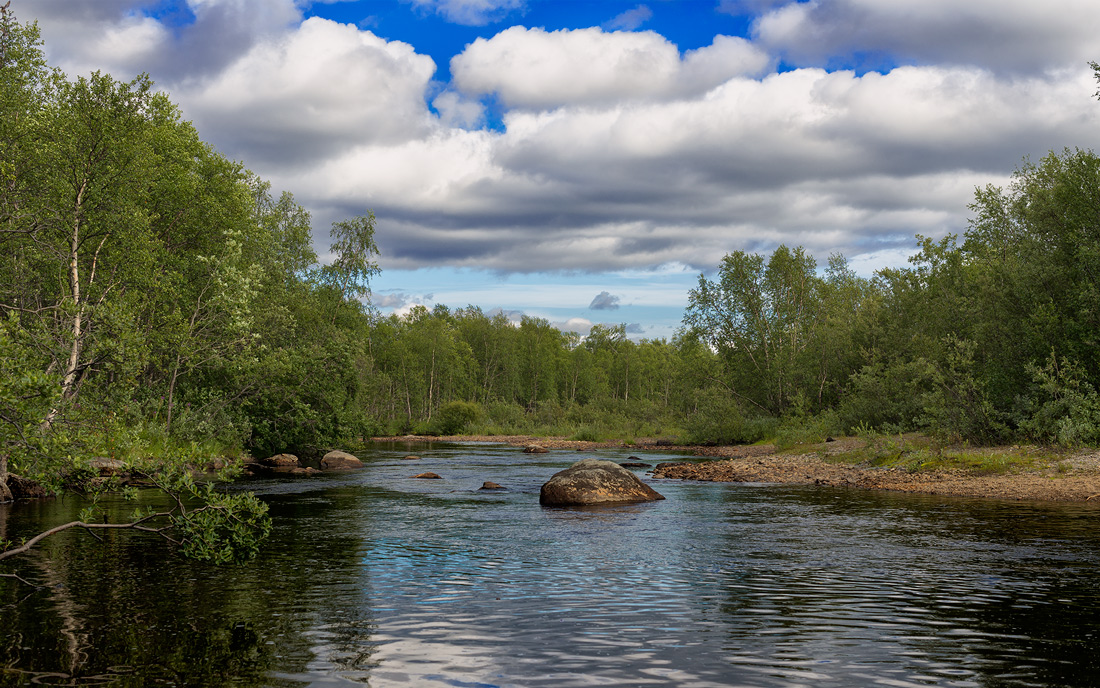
x,y
1070,477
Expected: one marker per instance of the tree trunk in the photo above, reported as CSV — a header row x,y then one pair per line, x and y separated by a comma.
x,y
5,493
68,382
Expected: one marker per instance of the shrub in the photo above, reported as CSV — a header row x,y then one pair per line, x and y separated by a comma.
x,y
455,416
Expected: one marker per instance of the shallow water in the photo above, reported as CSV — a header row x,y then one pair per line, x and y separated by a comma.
x,y
374,578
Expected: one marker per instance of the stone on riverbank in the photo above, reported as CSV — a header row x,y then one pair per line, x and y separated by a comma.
x,y
340,461
593,481
280,461
107,467
24,488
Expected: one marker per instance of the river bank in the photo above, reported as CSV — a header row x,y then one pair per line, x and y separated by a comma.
x,y
1021,473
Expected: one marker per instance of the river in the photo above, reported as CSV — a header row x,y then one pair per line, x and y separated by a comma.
x,y
371,577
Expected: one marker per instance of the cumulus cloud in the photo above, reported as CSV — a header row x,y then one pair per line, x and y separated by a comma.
x,y
118,37
313,93
539,69
631,19
581,326
635,328
604,301
832,161
1000,35
617,151
456,111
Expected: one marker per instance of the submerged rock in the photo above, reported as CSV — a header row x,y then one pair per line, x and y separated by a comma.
x,y
535,449
428,476
411,457
490,485
593,481
635,464
340,461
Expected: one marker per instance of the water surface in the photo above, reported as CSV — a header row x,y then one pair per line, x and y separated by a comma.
x,y
374,578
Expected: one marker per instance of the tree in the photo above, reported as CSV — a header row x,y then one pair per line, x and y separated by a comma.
x,y
760,317
353,265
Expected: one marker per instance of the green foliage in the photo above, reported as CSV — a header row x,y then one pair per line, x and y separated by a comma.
x,y
800,430
228,528
455,416
1065,407
957,406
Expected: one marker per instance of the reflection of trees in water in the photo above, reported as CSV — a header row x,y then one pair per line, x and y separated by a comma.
x,y
922,587
131,608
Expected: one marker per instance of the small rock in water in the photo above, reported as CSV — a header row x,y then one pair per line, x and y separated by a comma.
x,y
535,449
411,457
634,464
490,485
428,476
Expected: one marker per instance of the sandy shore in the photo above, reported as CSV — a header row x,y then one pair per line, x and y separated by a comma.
x,y
1064,477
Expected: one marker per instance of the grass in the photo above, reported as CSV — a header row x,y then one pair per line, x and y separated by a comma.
x,y
916,453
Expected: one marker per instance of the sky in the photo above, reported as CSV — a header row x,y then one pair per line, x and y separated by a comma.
x,y
585,161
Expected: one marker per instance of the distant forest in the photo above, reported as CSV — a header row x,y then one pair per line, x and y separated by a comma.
x,y
157,298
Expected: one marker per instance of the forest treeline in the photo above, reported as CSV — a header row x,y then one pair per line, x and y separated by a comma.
x,y
157,298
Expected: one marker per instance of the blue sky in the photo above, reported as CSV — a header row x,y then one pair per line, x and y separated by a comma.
x,y
584,161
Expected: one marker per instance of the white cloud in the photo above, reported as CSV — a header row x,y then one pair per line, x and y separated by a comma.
x,y
538,69
832,161
456,111
618,152
1001,35
116,36
312,93
631,19
471,12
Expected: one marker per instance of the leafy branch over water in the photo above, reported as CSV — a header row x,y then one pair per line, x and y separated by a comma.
x,y
204,523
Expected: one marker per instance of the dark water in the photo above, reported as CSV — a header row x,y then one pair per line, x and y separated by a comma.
x,y
374,578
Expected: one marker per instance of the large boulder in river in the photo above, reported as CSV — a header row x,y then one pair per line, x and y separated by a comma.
x,y
339,461
593,481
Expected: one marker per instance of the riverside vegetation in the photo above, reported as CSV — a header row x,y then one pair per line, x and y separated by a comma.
x,y
160,305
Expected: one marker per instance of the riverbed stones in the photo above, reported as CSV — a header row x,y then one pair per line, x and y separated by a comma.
x,y
594,481
340,461
428,476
